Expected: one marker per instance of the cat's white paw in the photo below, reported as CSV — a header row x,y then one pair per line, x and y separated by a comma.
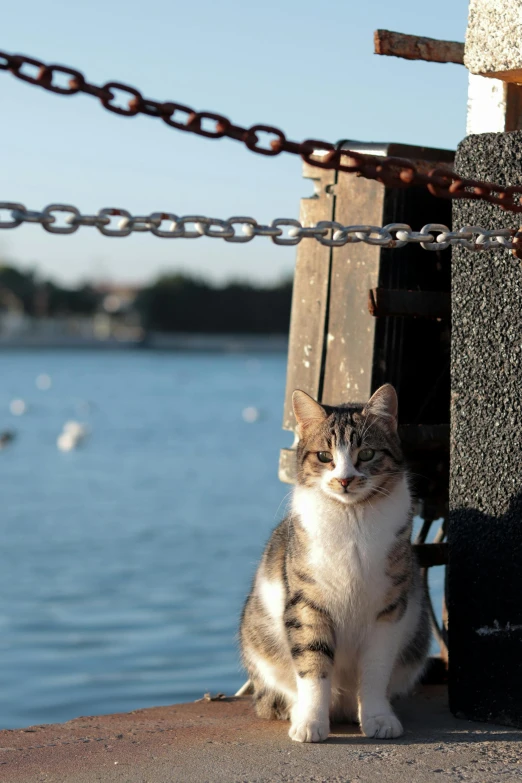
x,y
309,731
382,726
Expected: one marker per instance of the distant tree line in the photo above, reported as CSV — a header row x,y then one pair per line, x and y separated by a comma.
x,y
24,291
177,303
172,303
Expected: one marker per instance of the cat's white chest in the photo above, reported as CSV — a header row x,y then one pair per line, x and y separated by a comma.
x,y
349,570
348,553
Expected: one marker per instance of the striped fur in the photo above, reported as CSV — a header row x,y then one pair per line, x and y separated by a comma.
x,y
336,622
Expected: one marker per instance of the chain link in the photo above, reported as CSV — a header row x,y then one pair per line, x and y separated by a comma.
x,y
282,231
394,172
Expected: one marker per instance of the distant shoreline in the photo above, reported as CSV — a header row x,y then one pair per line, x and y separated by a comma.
x,y
157,341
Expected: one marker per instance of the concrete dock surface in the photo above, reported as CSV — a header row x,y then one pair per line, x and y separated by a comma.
x,y
224,742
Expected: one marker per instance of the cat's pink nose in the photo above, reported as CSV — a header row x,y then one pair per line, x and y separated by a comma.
x,y
344,482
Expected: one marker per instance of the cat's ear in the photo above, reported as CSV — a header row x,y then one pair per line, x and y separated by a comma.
x,y
383,403
306,410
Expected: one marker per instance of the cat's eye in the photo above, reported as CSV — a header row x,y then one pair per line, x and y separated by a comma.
x,y
324,456
365,455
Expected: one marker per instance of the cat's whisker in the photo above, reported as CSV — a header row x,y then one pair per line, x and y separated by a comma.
x,y
367,429
286,498
381,491
363,433
400,473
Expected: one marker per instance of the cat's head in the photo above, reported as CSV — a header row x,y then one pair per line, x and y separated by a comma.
x,y
349,453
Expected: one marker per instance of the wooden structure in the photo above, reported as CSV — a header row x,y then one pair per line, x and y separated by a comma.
x,y
363,315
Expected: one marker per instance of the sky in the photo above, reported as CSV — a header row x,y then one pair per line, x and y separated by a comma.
x,y
306,67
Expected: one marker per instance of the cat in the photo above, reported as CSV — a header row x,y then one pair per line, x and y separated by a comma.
x,y
336,623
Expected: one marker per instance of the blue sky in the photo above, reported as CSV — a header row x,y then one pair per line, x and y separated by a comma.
x,y
305,67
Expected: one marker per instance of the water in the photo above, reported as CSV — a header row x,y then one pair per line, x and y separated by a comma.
x,y
124,564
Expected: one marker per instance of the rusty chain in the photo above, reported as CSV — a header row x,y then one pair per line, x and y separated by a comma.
x,y
113,222
394,172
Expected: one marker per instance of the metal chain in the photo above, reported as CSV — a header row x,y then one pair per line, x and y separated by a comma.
x,y
282,231
394,172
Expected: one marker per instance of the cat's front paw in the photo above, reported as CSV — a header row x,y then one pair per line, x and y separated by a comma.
x,y
309,730
382,726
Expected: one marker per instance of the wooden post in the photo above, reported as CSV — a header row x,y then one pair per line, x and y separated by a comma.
x,y
342,349
309,307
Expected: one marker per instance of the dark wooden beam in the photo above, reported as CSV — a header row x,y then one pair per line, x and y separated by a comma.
x,y
424,437
429,555
415,47
413,304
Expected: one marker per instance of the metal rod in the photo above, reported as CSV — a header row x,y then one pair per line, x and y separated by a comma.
x,y
416,47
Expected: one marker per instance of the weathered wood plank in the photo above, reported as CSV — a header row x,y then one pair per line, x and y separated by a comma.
x,y
310,297
355,269
416,47
287,471
513,104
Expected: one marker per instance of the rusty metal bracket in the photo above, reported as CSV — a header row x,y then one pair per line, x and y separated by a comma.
x,y
416,47
517,240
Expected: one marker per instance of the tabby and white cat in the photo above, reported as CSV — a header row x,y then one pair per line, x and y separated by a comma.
x,y
336,623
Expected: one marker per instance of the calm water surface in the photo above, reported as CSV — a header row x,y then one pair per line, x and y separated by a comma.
x,y
124,563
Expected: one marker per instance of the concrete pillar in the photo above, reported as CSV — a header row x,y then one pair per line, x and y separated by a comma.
x,y
493,39
485,522
493,56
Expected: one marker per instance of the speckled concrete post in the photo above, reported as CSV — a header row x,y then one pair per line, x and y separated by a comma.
x,y
493,39
485,525
493,49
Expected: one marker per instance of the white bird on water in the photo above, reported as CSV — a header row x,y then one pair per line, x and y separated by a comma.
x,y
43,382
18,407
73,433
251,414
